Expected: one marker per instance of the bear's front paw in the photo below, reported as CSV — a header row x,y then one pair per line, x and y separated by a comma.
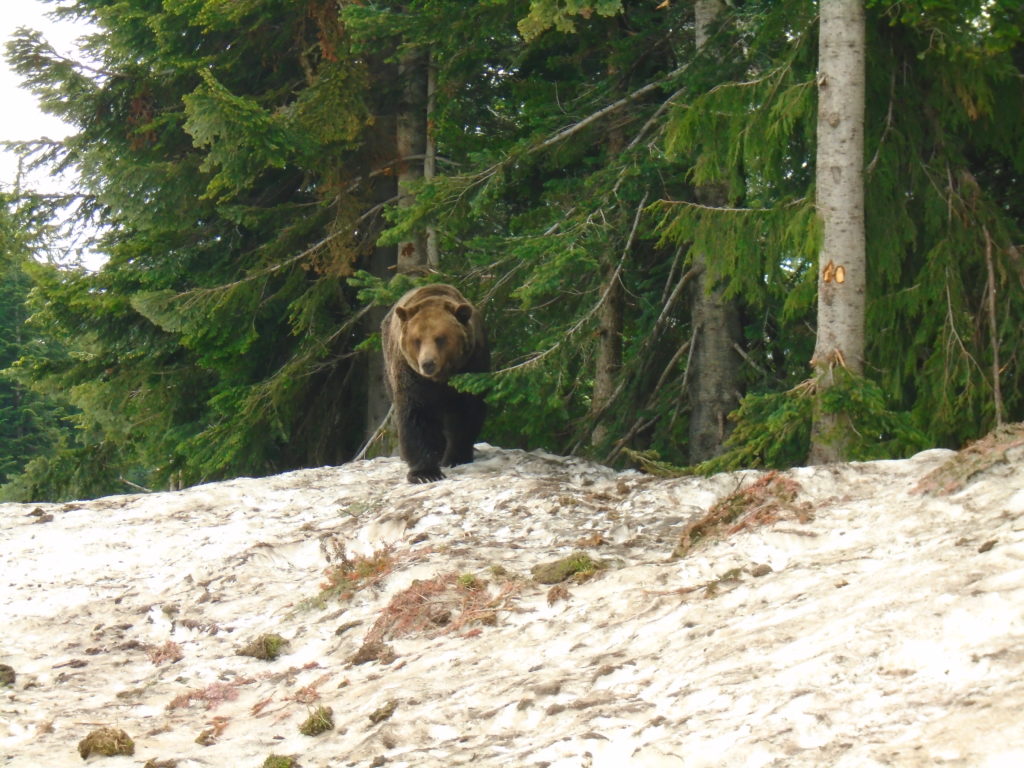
x,y
455,458
428,475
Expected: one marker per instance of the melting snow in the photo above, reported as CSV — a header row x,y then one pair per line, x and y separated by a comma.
x,y
882,627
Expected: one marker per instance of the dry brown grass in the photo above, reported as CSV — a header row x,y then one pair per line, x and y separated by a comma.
x,y
978,457
168,653
769,499
349,575
212,695
446,603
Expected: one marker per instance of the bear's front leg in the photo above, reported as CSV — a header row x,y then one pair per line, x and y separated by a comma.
x,y
463,421
421,443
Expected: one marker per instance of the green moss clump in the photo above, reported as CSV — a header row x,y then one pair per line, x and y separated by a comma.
x,y
207,738
578,565
279,761
384,713
266,647
469,581
319,721
348,576
107,742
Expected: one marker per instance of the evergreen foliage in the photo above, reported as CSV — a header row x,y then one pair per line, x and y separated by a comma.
x,y
32,425
219,152
234,157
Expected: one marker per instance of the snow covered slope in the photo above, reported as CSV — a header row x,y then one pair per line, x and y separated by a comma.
x,y
855,615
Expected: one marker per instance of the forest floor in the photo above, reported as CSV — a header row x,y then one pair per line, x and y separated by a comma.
x,y
530,610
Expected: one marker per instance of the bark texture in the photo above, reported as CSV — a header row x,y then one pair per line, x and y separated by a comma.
x,y
430,158
381,259
381,263
413,152
715,387
717,331
609,349
411,137
608,362
840,191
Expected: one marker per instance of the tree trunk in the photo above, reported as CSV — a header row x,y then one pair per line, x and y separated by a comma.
x,y
609,347
382,151
717,331
705,12
414,152
411,137
840,191
608,362
382,262
430,159
715,387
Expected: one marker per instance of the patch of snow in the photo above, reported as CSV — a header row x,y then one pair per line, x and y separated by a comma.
x,y
886,630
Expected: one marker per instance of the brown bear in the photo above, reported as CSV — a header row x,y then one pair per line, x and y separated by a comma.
x,y
431,334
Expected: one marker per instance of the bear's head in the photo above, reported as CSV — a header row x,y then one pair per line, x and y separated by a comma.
x,y
436,336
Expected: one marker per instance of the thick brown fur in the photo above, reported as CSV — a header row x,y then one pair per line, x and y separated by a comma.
x,y
431,334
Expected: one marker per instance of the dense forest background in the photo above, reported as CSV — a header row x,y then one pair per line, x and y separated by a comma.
x,y
627,188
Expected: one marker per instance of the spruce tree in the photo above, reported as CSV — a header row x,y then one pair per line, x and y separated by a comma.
x,y
33,426
222,152
243,162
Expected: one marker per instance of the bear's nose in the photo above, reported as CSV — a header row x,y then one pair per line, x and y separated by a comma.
x,y
429,367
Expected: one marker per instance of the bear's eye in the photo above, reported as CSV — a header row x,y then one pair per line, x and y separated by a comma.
x,y
440,341
416,344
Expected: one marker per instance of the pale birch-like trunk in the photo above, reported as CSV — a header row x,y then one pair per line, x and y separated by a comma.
x,y
840,200
715,379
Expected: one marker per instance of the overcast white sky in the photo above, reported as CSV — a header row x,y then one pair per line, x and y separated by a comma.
x,y
20,117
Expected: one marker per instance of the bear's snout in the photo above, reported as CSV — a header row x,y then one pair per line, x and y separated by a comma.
x,y
428,366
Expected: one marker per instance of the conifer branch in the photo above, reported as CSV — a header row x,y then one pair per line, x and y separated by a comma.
x,y
727,209
272,268
536,358
667,304
578,126
603,112
885,131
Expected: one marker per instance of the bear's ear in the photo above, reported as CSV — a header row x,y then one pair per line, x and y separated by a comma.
x,y
404,313
463,312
